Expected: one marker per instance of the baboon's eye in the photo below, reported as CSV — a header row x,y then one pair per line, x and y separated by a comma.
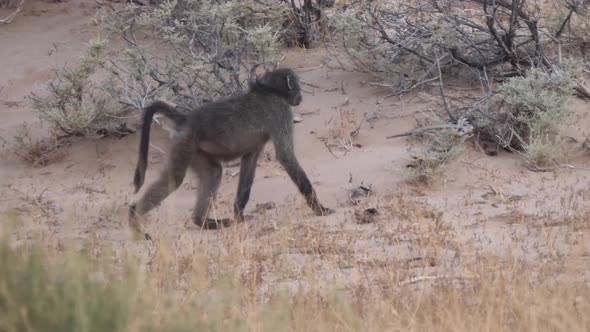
x,y
289,83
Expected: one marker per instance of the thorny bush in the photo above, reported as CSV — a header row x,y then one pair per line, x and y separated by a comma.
x,y
409,43
193,56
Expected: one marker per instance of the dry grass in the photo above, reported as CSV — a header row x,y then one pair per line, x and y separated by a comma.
x,y
37,152
441,149
406,271
342,131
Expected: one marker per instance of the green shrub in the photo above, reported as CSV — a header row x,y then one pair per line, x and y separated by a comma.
x,y
536,105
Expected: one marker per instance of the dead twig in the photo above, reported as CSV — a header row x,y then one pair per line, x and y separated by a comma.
x,y
311,68
462,126
382,85
346,102
442,91
329,148
309,84
534,168
10,17
407,90
358,128
582,89
280,60
306,90
414,280
157,148
40,204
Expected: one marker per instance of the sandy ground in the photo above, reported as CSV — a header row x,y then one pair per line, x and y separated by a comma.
x,y
494,204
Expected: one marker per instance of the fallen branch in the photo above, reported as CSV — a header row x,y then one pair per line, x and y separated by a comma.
x,y
582,89
535,168
10,17
422,130
442,91
306,90
414,280
401,92
310,84
310,69
381,85
462,126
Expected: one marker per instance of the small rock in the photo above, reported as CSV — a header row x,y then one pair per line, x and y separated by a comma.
x,y
297,118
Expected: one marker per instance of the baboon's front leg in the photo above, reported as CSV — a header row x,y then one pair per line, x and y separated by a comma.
x,y
247,173
286,157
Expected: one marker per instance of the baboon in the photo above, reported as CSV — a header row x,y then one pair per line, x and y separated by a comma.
x,y
236,127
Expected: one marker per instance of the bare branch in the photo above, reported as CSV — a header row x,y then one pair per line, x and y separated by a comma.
x,y
10,17
462,126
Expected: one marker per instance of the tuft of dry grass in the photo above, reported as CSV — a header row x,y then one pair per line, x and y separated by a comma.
x,y
442,148
38,152
342,132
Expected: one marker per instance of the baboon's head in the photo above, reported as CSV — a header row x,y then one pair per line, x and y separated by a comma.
x,y
283,82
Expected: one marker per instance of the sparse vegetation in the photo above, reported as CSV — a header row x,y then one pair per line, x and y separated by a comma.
x,y
409,44
32,151
342,132
248,280
524,116
442,148
204,53
77,104
527,113
37,152
415,43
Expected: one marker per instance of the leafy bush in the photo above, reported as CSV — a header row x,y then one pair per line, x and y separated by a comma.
x,y
524,116
188,52
441,149
77,104
532,109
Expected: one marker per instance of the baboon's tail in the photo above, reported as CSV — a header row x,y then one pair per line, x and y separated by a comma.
x,y
168,111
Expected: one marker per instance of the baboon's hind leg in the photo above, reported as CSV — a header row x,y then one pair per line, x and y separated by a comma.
x,y
168,181
209,172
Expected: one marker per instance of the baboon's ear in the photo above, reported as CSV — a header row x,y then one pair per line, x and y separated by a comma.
x,y
289,78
